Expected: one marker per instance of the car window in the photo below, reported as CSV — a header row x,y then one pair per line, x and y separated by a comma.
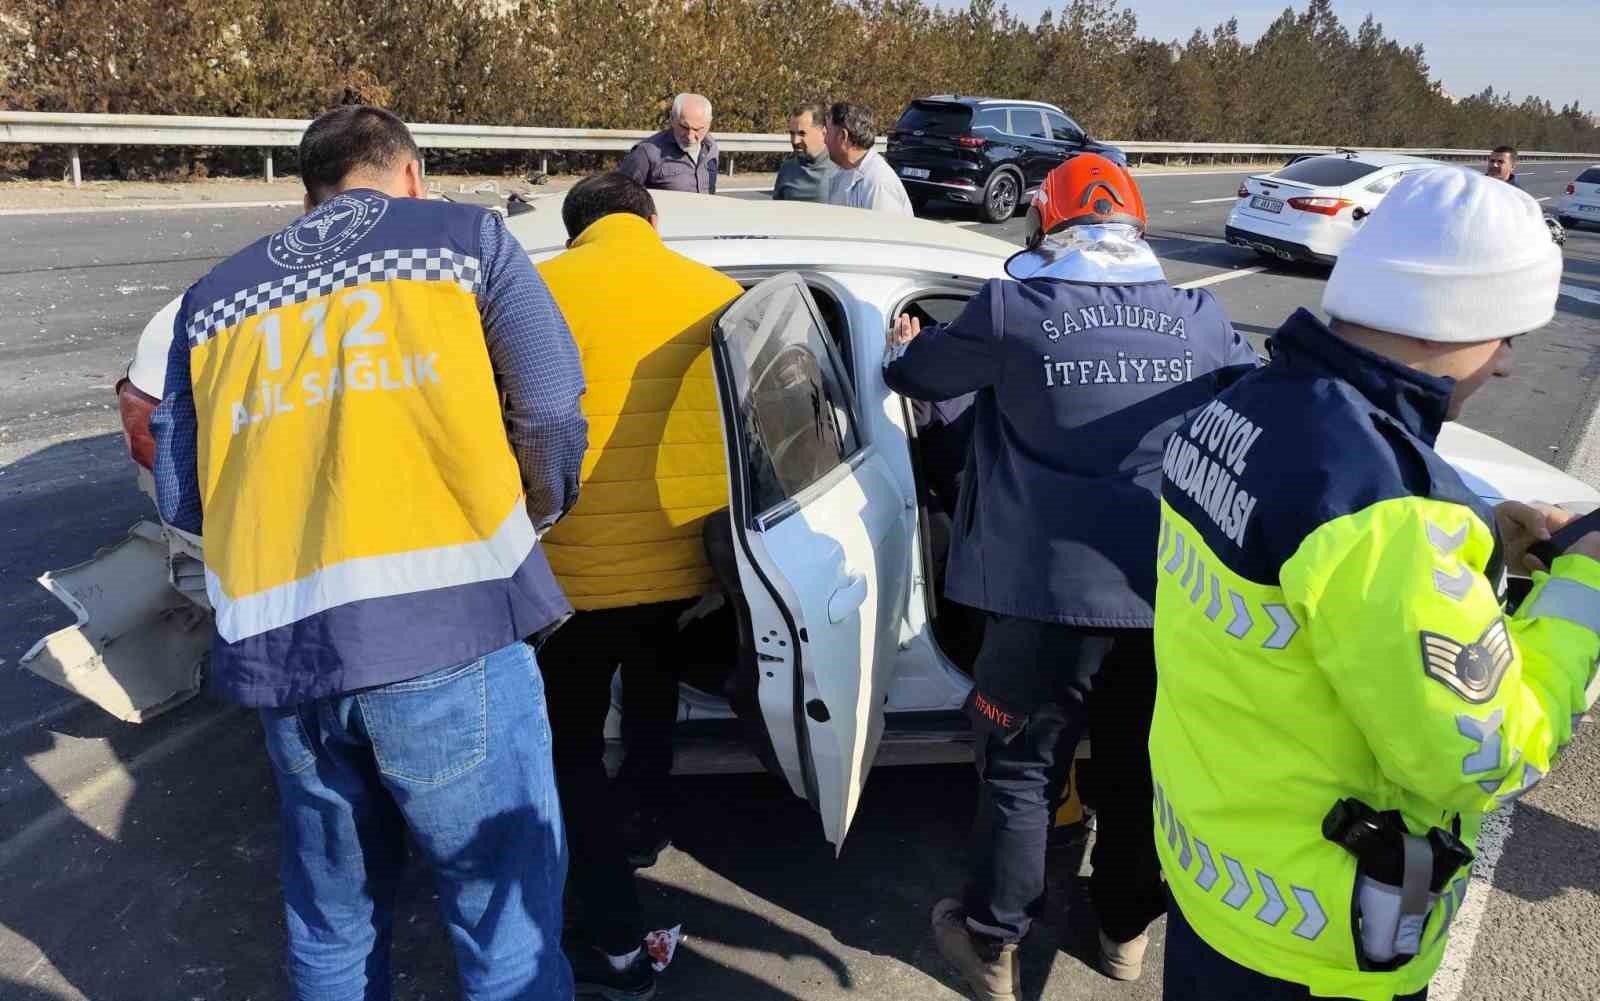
x,y
796,415
1383,184
991,118
1027,122
935,117
1062,128
1590,176
1326,171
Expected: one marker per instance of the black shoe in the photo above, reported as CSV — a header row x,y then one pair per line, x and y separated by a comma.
x,y
595,978
645,836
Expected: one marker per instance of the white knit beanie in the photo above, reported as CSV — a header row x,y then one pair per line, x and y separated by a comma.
x,y
1449,255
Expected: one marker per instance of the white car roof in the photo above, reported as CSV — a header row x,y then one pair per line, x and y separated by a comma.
x,y
688,218
1385,159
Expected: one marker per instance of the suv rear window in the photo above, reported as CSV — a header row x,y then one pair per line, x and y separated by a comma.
x,y
1326,171
939,119
1590,176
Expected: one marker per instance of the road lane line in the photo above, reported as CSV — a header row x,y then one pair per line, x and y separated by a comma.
x,y
1226,276
1208,201
969,222
1451,979
1580,293
1547,198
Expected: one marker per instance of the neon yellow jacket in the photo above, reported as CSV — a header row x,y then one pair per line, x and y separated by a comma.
x,y
1326,627
656,465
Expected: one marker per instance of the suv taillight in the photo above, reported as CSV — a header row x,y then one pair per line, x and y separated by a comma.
x,y
972,142
136,407
1244,190
1572,189
1321,206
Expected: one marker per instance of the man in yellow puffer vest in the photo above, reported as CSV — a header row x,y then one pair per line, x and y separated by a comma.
x,y
629,554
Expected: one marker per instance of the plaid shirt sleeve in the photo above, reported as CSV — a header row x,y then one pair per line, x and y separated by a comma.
x,y
174,427
537,367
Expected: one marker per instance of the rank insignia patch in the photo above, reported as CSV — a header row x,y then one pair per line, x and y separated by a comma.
x,y
1471,670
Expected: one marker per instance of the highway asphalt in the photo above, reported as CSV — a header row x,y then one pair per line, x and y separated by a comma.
x,y
138,862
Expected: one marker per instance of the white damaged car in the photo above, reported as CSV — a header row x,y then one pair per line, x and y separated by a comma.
x,y
840,652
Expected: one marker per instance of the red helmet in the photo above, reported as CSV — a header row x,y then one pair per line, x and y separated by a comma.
x,y
1087,190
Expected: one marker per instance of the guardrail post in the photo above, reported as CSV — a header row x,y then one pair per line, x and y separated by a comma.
x,y
544,164
269,166
730,164
77,167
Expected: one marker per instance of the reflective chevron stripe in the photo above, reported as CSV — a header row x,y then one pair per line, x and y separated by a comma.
x,y
1185,556
1240,889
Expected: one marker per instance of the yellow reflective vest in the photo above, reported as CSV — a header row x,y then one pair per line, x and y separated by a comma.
x,y
1326,627
656,466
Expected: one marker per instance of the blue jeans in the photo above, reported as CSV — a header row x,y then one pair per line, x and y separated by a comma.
x,y
460,758
1193,971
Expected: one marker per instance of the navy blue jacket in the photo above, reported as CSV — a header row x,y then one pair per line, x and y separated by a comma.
x,y
1326,430
1078,387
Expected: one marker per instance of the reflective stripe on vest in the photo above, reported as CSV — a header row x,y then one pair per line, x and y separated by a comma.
x,y
1238,890
494,558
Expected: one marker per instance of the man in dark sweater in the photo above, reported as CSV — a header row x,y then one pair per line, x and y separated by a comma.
x,y
804,176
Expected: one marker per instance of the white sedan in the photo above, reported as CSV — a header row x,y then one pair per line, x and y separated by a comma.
x,y
836,655
1581,202
1310,209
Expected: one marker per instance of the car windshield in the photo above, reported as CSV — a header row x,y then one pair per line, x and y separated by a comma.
x,y
1590,176
1326,171
939,119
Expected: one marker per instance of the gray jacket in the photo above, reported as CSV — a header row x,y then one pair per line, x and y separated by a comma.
x,y
802,179
659,162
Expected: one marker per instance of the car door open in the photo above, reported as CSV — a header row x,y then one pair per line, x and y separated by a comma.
x,y
822,534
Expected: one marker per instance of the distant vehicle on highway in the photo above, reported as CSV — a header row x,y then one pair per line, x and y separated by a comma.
x,y
1581,203
832,652
1308,210
988,152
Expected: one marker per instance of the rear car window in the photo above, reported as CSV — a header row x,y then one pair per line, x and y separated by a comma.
x,y
1326,171
991,118
939,119
1590,176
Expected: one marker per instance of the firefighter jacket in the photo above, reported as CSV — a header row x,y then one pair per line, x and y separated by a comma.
x,y
1327,626
332,412
656,466
1078,386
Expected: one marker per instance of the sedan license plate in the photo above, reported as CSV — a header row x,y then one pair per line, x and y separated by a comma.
x,y
917,172
1266,204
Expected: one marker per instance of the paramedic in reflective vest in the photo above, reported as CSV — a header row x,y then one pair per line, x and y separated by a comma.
x,y
1082,367
1342,695
630,555
332,419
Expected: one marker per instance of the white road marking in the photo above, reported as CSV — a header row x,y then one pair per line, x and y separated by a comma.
x,y
1226,276
1547,198
1208,201
296,203
968,222
1580,293
1452,976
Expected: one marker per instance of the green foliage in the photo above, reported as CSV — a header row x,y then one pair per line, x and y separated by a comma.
x,y
617,63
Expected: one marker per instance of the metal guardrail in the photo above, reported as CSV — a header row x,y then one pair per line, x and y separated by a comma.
x,y
75,130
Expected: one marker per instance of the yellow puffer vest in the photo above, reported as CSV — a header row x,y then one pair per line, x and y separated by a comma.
x,y
656,465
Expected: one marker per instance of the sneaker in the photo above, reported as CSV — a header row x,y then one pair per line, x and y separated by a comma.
x,y
595,977
1122,960
989,966
645,836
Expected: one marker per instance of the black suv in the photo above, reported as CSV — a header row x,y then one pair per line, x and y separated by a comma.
x,y
984,151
